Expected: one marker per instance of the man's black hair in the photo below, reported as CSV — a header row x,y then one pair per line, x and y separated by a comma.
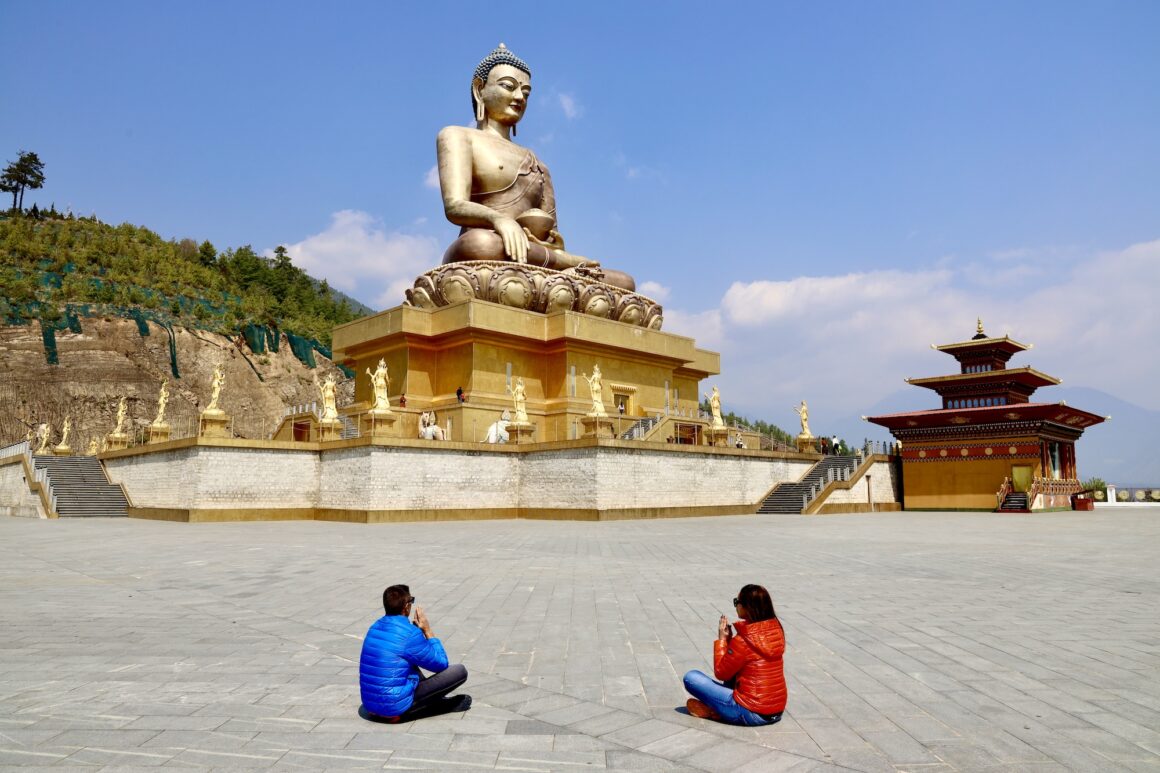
x,y
395,599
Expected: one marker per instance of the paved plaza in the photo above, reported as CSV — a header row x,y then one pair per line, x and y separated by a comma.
x,y
916,641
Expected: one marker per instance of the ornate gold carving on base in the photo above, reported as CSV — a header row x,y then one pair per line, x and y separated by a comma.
x,y
159,433
519,432
523,286
62,450
598,427
806,443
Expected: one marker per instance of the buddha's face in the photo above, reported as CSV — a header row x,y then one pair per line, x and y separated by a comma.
x,y
505,95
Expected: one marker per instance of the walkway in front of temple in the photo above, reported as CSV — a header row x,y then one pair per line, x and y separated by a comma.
x,y
917,642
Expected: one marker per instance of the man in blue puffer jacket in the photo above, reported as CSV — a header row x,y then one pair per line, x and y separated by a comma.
x,y
395,648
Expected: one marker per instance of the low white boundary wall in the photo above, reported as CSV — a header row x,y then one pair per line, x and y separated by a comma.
x,y
201,479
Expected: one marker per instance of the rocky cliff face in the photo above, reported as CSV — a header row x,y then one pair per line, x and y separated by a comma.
x,y
110,360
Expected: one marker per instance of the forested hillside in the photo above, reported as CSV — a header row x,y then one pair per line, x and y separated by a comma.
x,y
49,261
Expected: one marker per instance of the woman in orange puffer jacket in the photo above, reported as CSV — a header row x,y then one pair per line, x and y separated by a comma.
x,y
751,690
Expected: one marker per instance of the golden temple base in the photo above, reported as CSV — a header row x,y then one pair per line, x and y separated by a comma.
x,y
159,433
483,347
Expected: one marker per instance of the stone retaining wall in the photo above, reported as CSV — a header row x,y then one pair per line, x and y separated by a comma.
x,y
883,485
16,495
364,480
185,475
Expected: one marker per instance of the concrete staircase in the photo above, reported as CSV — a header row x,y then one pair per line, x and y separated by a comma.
x,y
640,428
349,428
1015,502
81,487
793,497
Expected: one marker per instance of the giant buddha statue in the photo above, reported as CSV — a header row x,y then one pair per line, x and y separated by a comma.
x,y
500,192
509,249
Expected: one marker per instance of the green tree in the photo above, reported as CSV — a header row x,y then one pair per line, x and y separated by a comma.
x,y
207,254
27,171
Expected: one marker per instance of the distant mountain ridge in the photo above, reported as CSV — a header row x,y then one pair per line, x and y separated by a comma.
x,y
1123,451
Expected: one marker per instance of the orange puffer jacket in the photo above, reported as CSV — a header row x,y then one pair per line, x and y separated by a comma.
x,y
753,655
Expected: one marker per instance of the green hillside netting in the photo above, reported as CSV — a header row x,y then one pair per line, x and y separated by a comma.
x,y
48,336
163,310
255,336
303,349
139,317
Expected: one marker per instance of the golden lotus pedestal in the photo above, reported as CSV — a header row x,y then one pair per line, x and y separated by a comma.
x,y
329,429
806,444
62,450
214,424
116,441
159,433
598,427
378,423
717,436
520,432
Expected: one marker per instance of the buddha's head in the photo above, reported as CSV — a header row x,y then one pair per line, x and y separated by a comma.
x,y
500,88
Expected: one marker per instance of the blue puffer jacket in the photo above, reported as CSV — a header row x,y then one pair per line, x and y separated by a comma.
x,y
392,653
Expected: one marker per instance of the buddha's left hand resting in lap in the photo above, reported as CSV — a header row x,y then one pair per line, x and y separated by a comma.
x,y
499,192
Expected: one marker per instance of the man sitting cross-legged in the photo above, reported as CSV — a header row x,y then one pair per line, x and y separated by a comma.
x,y
395,648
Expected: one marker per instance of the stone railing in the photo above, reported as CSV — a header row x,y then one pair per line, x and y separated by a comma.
x,y
21,448
882,447
39,476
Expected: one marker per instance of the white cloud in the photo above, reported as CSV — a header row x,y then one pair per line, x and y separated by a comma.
x,y
756,303
655,290
431,179
571,107
705,327
845,342
358,255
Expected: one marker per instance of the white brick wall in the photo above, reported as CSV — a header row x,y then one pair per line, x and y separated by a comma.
x,y
16,499
882,480
436,477
207,477
392,478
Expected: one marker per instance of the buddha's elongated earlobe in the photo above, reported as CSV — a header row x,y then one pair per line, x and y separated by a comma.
x,y
477,99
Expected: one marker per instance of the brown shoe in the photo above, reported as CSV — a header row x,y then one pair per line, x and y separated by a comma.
x,y
698,709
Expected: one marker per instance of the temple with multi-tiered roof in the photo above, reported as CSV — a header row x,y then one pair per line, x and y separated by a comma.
x,y
989,446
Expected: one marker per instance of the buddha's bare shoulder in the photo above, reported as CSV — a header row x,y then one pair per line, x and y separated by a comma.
x,y
457,132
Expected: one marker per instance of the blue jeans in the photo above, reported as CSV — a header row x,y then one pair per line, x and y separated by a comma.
x,y
720,698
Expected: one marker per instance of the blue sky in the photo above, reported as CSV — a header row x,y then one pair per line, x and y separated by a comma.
x,y
819,191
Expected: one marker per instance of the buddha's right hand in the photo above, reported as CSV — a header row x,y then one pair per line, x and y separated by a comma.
x,y
515,241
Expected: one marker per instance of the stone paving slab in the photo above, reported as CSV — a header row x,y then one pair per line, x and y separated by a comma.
x,y
917,642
